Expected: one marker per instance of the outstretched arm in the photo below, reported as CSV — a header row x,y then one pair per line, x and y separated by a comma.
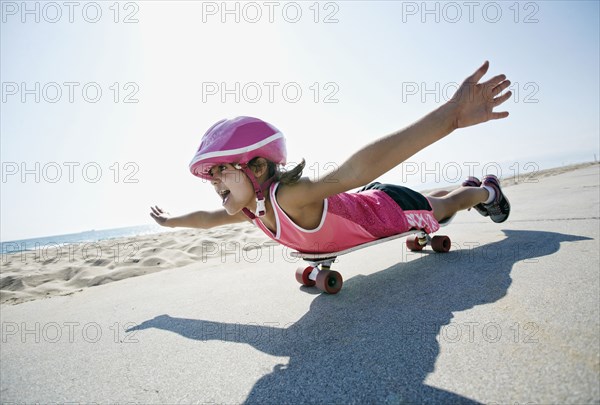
x,y
472,104
198,219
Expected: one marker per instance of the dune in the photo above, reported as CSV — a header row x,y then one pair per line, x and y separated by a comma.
x,y
51,271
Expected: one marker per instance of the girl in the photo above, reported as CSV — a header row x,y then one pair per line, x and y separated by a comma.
x,y
242,158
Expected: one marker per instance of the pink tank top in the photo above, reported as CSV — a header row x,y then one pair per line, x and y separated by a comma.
x,y
348,220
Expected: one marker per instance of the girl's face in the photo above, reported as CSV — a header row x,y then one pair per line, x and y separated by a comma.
x,y
233,187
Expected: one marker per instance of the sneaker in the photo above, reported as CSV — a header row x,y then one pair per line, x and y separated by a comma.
x,y
474,182
499,209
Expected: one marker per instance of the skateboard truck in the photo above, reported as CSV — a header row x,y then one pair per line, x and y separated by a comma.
x,y
438,243
318,273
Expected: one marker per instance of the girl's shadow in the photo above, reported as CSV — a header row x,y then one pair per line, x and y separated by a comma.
x,y
376,340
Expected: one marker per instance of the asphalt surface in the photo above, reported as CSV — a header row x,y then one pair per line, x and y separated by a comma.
x,y
510,315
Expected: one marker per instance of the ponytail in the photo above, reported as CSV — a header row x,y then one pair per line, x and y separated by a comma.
x,y
282,175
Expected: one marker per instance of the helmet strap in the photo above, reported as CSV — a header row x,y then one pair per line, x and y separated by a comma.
x,y
259,190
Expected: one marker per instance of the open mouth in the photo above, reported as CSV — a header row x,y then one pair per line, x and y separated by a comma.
x,y
224,195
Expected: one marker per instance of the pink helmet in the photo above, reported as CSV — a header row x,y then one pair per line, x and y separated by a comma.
x,y
237,141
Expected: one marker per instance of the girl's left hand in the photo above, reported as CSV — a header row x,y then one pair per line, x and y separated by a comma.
x,y
474,102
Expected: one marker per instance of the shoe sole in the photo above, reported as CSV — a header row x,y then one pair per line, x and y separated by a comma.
x,y
498,189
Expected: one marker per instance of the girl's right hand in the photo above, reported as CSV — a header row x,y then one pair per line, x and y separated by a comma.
x,y
161,217
474,102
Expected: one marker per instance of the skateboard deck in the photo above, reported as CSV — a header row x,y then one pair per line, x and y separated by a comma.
x,y
319,272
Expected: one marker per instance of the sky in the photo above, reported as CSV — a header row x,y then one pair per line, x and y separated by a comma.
x,y
104,103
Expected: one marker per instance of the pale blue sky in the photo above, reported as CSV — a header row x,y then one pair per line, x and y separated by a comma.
x,y
369,56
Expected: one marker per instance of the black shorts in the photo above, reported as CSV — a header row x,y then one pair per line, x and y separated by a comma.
x,y
407,199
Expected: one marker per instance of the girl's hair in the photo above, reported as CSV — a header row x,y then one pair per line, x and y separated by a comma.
x,y
284,176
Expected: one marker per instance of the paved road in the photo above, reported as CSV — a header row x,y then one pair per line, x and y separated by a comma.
x,y
511,315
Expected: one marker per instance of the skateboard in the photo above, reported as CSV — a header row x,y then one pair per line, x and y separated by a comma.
x,y
318,273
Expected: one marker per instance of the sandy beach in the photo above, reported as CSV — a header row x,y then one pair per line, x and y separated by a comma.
x,y
53,270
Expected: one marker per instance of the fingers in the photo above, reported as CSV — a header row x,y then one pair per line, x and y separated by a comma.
x,y
494,80
502,99
156,210
499,115
497,102
500,88
476,77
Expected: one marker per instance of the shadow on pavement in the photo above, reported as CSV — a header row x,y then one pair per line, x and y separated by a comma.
x,y
376,340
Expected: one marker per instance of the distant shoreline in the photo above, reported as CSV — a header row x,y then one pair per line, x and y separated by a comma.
x,y
92,236
524,178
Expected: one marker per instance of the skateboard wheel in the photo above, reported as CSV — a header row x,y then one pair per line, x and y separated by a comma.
x,y
413,244
302,274
441,243
329,281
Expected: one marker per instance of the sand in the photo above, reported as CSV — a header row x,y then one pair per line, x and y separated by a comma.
x,y
55,270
